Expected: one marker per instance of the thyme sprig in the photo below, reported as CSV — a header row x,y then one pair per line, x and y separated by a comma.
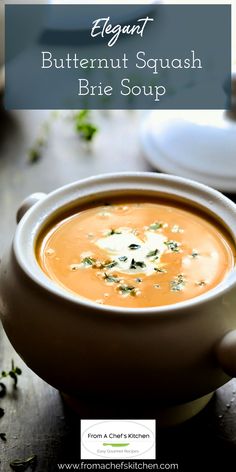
x,y
14,372
200,283
127,290
83,125
84,128
35,152
153,253
137,265
123,258
113,231
160,270
173,246
88,261
111,278
134,247
110,264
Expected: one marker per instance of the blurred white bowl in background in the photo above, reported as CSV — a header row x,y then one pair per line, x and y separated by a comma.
x,y
197,144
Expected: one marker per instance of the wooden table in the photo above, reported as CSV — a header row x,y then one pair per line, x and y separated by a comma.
x,y
36,421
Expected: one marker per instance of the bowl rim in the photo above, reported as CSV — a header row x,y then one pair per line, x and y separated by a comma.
x,y
36,217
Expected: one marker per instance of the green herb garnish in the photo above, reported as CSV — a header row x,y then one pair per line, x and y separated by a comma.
x,y
137,264
155,226
111,278
13,373
35,152
83,125
172,245
123,258
88,261
138,280
134,247
153,253
113,231
159,270
195,253
127,290
86,131
178,284
201,283
74,267
110,265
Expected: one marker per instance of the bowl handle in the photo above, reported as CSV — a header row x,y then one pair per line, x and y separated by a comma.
x,y
28,203
226,353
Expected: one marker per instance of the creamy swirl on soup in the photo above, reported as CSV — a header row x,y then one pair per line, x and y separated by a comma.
x,y
136,253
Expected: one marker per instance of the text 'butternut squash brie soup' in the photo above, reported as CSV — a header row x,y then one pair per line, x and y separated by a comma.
x,y
136,253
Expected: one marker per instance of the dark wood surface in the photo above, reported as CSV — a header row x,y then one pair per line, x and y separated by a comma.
x,y
36,421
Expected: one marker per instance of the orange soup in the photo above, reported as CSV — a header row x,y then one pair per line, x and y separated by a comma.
x,y
136,254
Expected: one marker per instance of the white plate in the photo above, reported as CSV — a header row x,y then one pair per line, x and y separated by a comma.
x,y
198,144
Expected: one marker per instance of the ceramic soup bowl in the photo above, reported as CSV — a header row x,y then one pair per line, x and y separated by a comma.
x,y
168,356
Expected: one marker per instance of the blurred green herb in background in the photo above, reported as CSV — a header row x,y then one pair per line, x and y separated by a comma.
x,y
83,127
13,373
35,152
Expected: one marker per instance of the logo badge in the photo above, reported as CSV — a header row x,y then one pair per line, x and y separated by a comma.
x,y
118,439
